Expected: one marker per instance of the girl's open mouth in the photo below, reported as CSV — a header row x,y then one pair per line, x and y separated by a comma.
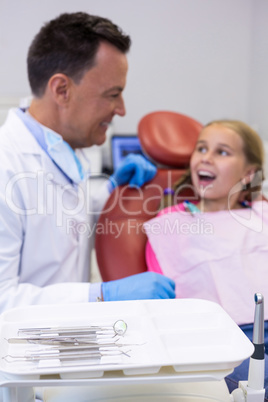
x,y
205,177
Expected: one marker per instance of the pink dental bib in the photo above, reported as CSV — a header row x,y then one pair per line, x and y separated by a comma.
x,y
218,256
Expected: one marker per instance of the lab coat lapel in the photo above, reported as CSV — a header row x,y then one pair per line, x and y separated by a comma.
x,y
83,239
27,144
54,174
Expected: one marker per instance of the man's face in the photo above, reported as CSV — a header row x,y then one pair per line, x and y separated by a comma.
x,y
96,99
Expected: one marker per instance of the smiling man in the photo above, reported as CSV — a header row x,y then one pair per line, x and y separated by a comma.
x,y
77,69
81,110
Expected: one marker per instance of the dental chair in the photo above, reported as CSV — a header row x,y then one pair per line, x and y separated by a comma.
x,y
167,139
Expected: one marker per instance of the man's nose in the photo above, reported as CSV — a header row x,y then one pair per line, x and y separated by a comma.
x,y
120,109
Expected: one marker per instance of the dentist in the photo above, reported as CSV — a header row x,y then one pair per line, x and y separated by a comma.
x,y
77,68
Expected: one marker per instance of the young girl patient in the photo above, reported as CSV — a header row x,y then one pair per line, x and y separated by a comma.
x,y
215,245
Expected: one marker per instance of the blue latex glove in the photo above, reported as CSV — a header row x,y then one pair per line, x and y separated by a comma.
x,y
135,170
148,285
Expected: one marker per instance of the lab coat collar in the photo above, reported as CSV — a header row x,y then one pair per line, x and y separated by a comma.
x,y
27,144
20,135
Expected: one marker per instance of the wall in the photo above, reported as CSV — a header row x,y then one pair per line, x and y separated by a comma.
x,y
187,55
258,100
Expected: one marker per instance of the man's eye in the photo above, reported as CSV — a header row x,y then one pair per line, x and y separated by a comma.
x,y
114,95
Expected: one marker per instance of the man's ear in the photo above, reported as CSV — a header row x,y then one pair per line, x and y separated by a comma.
x,y
59,87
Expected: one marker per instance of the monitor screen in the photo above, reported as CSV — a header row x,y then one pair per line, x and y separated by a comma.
x,y
122,145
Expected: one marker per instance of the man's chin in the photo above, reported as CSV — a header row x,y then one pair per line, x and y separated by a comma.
x,y
97,141
101,140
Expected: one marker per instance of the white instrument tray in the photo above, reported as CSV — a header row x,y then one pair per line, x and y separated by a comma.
x,y
182,337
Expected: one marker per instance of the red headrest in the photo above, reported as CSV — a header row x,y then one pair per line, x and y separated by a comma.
x,y
168,137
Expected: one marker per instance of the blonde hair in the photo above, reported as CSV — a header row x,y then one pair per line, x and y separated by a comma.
x,y
254,153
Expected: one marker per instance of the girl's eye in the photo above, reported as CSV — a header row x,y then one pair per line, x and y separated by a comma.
x,y
201,149
223,152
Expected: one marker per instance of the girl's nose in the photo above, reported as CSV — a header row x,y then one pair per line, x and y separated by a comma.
x,y
207,157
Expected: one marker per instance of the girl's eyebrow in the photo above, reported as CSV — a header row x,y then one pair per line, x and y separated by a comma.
x,y
226,146
220,144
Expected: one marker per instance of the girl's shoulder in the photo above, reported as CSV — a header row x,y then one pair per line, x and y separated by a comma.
x,y
173,208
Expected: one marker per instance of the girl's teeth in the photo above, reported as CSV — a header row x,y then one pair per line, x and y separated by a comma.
x,y
204,173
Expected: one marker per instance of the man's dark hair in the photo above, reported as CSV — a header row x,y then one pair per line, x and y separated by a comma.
x,y
68,44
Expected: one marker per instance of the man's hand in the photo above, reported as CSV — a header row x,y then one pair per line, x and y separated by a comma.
x,y
147,285
134,170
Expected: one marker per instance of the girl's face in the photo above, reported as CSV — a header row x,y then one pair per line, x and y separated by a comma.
x,y
218,164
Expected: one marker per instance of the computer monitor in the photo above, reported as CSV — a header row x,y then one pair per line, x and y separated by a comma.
x,y
122,145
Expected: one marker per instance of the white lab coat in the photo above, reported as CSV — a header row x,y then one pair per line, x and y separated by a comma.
x,y
44,227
